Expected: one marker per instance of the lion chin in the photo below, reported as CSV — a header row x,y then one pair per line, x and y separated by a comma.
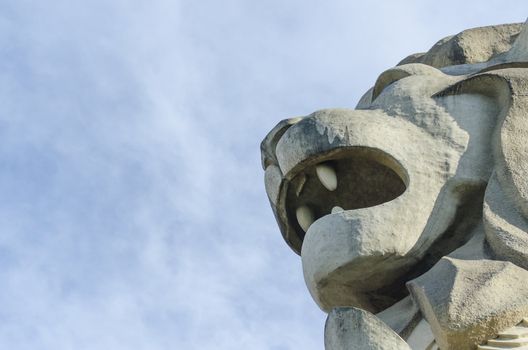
x,y
416,202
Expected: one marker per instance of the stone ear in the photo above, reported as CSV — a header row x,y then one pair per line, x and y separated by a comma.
x,y
519,49
506,199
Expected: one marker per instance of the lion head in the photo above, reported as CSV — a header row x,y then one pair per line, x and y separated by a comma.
x,y
428,173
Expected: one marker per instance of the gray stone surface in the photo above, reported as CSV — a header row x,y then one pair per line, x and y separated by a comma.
x,y
401,317
422,185
351,328
470,46
467,302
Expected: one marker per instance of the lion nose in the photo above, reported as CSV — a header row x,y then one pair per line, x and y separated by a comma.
x,y
269,144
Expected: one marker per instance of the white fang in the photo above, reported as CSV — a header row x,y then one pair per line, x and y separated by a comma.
x,y
327,175
304,217
337,209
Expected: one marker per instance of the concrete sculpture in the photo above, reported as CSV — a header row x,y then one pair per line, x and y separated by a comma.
x,y
410,211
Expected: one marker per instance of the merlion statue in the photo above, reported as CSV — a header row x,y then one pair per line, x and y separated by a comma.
x,y
410,212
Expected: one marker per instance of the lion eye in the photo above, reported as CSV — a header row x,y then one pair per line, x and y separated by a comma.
x,y
393,75
385,79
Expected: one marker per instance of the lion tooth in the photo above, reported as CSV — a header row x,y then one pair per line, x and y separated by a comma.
x,y
337,209
305,217
327,175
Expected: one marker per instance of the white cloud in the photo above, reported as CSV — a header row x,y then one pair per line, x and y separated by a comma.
x,y
133,213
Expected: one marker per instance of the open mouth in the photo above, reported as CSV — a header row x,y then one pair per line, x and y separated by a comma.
x,y
346,179
366,210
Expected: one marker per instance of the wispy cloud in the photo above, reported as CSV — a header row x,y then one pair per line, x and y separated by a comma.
x,y
132,206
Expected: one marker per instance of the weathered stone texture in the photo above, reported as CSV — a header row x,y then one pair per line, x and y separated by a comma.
x,y
422,188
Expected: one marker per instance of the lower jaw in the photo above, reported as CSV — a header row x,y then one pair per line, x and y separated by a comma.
x,y
338,289
334,292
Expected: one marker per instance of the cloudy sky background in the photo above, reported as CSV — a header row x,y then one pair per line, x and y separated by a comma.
x,y
133,212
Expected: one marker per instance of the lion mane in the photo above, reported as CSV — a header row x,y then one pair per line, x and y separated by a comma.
x,y
448,248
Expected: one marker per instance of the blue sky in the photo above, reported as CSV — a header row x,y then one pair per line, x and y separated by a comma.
x,y
132,208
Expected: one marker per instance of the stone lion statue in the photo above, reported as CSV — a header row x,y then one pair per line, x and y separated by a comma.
x,y
410,212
